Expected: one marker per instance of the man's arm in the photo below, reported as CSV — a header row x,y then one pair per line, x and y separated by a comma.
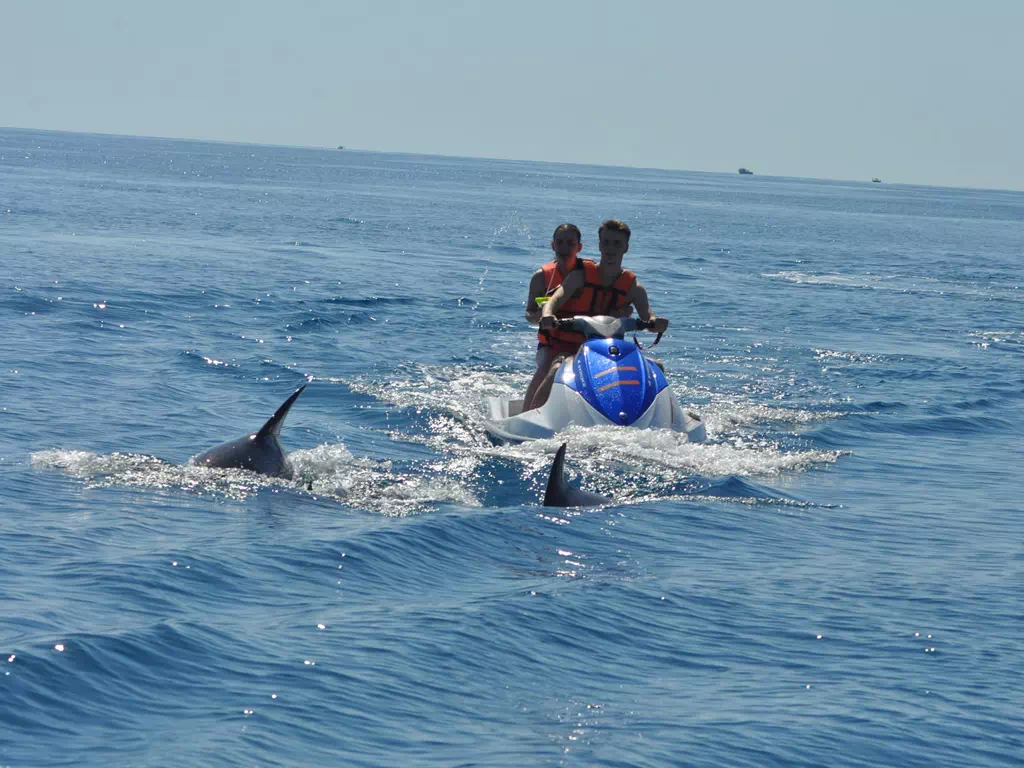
x,y
637,296
536,289
572,283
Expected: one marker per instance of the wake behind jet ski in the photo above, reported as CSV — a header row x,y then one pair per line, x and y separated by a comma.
x,y
608,382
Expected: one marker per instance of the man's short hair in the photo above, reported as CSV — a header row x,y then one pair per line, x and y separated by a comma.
x,y
571,228
615,225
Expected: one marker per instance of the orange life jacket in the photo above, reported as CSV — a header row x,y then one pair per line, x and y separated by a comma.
x,y
592,299
601,299
578,304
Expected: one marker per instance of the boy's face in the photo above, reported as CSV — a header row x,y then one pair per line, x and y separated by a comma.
x,y
565,244
613,246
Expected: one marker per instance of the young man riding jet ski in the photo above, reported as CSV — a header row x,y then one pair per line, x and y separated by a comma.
x,y
596,289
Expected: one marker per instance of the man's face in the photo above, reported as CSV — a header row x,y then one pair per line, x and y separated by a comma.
x,y
565,243
613,246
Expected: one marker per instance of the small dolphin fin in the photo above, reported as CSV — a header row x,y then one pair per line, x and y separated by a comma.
x,y
273,425
556,480
560,494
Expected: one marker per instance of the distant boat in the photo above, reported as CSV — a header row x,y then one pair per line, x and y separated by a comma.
x,y
745,172
877,181
340,147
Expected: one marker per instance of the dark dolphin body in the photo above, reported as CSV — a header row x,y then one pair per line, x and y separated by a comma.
x,y
561,494
260,452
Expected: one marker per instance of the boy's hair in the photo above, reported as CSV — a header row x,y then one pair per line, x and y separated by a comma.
x,y
615,225
572,228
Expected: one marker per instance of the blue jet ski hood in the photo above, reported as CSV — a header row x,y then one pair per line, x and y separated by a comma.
x,y
614,378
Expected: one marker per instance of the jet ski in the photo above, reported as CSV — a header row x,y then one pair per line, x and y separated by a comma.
x,y
608,382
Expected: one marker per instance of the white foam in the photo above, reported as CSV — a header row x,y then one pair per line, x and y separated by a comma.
x,y
746,439
831,355
332,471
725,416
453,398
132,469
665,456
984,339
806,278
329,471
900,284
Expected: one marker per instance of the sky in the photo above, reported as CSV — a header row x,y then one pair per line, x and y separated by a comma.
x,y
911,91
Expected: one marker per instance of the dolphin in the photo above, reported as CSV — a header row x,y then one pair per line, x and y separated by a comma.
x,y
260,452
560,494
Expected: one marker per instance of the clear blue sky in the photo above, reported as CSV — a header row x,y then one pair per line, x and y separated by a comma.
x,y
915,91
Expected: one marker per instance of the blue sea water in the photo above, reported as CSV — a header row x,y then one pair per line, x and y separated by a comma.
x,y
833,579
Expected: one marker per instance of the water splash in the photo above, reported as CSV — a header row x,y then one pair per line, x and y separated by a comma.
x,y
628,463
327,471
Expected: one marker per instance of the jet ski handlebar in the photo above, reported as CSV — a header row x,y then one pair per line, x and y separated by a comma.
x,y
644,325
603,326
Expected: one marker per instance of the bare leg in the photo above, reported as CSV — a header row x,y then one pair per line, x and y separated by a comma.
x,y
545,388
544,357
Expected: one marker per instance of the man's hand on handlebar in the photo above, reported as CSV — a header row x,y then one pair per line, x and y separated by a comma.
x,y
547,322
659,324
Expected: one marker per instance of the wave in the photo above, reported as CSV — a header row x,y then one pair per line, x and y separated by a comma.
x,y
140,470
899,284
511,249
726,414
326,471
332,471
25,302
372,301
442,409
832,356
953,425
744,491
316,323
447,405
198,360
1008,340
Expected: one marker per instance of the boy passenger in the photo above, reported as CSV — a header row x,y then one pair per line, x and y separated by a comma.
x,y
567,244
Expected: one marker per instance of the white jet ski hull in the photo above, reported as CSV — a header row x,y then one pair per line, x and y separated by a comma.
x,y
565,408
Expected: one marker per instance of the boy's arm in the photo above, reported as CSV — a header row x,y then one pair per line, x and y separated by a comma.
x,y
637,296
536,290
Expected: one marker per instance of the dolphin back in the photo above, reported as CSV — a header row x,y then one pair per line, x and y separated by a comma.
x,y
262,455
560,494
260,452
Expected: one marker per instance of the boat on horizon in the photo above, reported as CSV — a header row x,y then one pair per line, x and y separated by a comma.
x,y
746,172
876,180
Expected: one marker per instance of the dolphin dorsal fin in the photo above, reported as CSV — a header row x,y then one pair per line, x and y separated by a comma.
x,y
273,425
560,494
558,489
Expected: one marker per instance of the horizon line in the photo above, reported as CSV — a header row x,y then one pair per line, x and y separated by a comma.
x,y
344,148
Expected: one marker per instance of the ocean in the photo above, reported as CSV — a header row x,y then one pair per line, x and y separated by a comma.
x,y
834,578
